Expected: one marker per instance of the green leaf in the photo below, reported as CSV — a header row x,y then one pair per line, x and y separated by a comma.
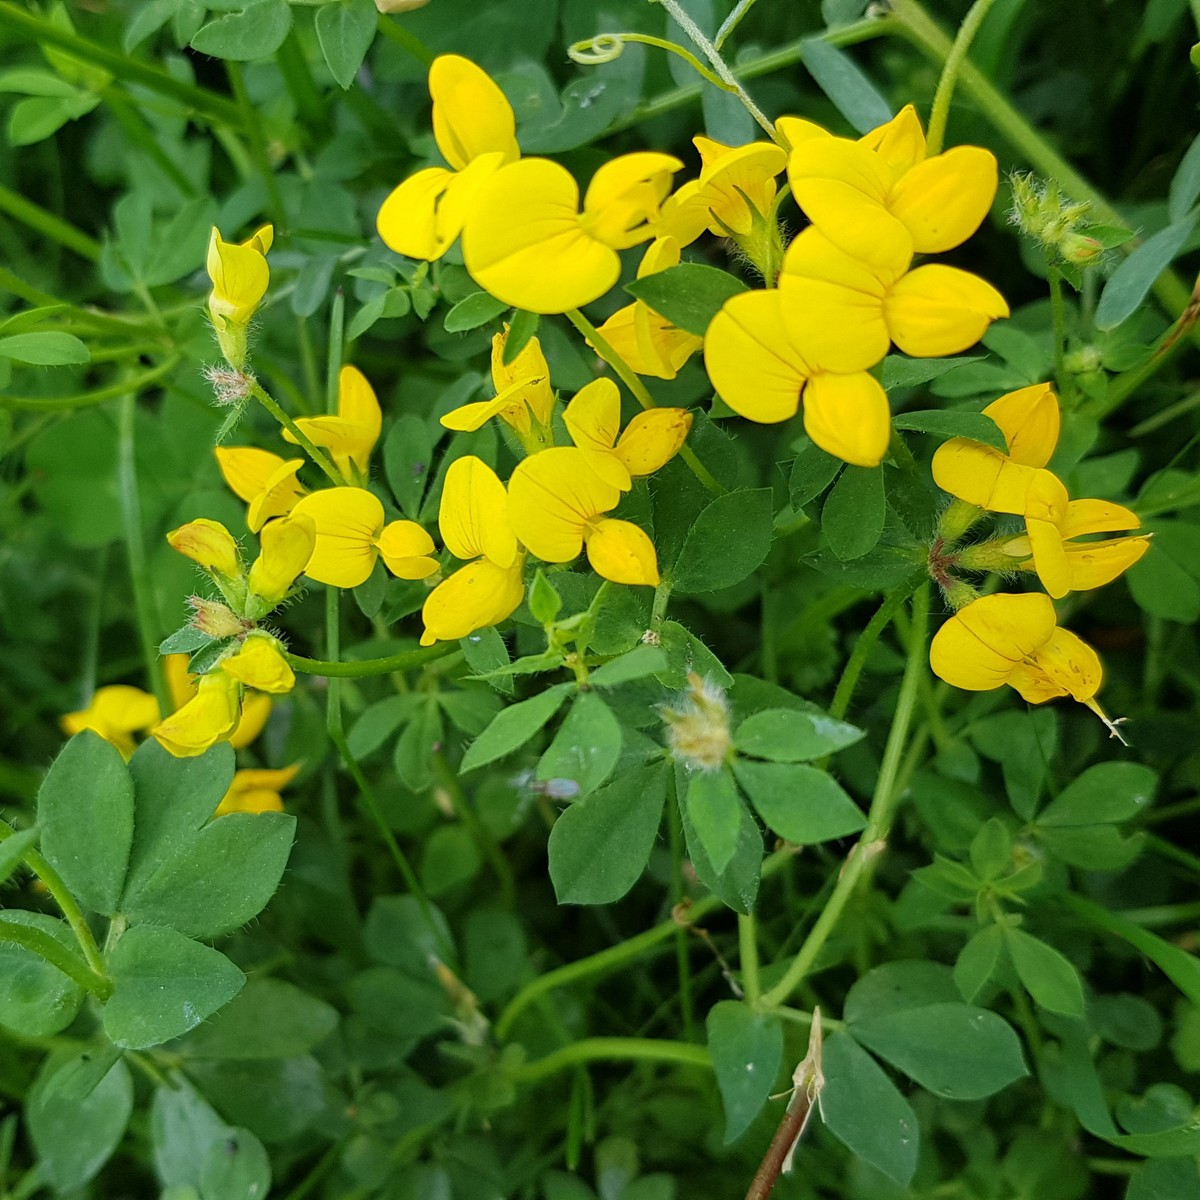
x,y
852,93
85,810
977,962
1183,1142
897,987
544,602
1045,974
854,512
689,295
450,857
345,30
1106,793
746,1048
633,664
975,426
407,455
812,472
1092,847
901,372
1164,581
477,309
163,985
378,722
486,654
801,804
786,735
46,348
599,846
714,812
514,727
255,32
1185,183
1164,1179
737,884
955,1050
413,755
1133,278
267,1019
77,1110
991,850
865,1112
522,327
236,1167
586,747
186,640
13,848
36,999
183,1127
728,541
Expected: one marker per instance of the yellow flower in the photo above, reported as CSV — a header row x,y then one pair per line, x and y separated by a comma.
x,y
287,545
528,244
849,190
256,791
240,277
209,544
210,716
351,435
116,713
524,399
266,482
651,439
259,663
756,359
1015,639
556,504
474,524
475,130
256,706
352,534
648,342
849,311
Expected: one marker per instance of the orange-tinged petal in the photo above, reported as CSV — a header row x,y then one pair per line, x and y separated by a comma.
x,y
1093,564
406,549
259,663
552,496
479,595
900,142
209,544
620,551
1097,516
751,359
848,416
256,708
348,521
471,115
1029,418
207,718
652,439
943,200
938,310
473,518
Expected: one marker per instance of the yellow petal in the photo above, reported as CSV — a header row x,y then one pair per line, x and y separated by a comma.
x,y
256,708
795,130
279,496
527,368
943,200
1064,665
471,115
348,520
737,184
408,220
593,419
751,359
838,328
351,435
407,549
848,416
524,243
625,195
256,791
900,142
259,663
652,439
1093,564
209,717
115,712
1049,557
938,310
552,496
683,216
287,545
209,544
1097,516
240,276
479,595
1029,419
180,682
982,476
473,518
981,645
620,551
246,469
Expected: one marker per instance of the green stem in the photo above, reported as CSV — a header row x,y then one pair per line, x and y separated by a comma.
x,y
258,143
333,641
318,456
658,610
614,1049
936,135
748,958
1058,312
731,22
407,41
884,802
149,631
46,222
370,666
57,955
630,379
605,47
683,958
132,385
337,327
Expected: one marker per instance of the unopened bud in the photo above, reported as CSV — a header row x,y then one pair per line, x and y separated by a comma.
x,y
213,618
698,726
1079,249
209,544
398,6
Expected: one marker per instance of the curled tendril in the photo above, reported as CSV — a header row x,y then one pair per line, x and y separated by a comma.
x,y
593,51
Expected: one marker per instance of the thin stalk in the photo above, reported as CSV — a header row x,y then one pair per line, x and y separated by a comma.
x,y
131,385
791,1126
318,456
614,1049
939,114
640,393
732,21
45,222
258,143
145,612
748,957
881,814
57,955
337,326
1058,312
405,661
683,957
407,41
606,47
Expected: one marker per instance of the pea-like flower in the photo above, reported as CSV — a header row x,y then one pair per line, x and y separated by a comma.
x,y
209,717
286,546
351,435
240,277
256,790
259,663
266,482
556,504
474,127
116,713
210,545
528,243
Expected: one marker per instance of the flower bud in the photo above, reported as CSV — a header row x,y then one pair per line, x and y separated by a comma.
x,y
209,717
209,544
287,545
216,620
240,277
698,726
259,663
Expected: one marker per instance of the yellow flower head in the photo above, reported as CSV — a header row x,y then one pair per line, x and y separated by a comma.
x,y
556,504
256,706
351,535
351,435
256,791
116,713
756,359
210,545
474,524
259,663
849,190
474,127
652,438
287,545
266,482
210,716
524,397
240,277
648,342
528,244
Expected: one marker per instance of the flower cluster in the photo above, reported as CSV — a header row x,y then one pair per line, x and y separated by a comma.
x,y
1015,638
